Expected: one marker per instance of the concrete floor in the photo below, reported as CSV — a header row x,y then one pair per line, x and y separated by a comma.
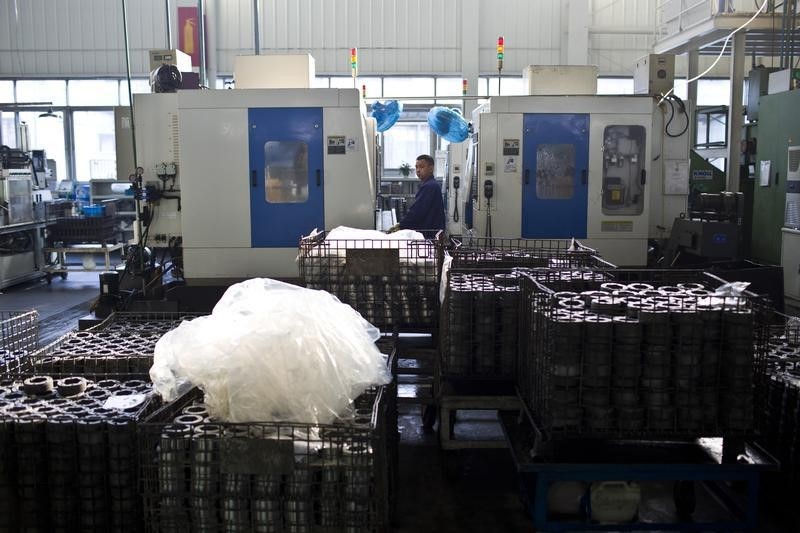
x,y
483,496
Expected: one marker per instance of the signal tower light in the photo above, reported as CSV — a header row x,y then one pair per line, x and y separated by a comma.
x,y
500,52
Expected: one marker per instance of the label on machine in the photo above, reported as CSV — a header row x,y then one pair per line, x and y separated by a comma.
x,y
617,226
336,144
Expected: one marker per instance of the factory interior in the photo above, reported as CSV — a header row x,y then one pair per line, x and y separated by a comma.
x,y
363,266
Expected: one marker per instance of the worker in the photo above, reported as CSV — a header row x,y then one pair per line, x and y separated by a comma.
x,y
427,212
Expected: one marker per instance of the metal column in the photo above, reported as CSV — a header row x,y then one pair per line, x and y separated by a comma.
x,y
694,60
735,118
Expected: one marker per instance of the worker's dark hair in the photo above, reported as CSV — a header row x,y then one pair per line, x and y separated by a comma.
x,y
425,157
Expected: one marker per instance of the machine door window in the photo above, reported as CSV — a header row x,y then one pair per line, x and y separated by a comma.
x,y
555,171
624,177
286,171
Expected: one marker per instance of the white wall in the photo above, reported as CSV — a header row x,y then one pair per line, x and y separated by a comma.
x,y
77,37
84,37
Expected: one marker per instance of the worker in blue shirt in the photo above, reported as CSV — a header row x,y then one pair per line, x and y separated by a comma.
x,y
427,212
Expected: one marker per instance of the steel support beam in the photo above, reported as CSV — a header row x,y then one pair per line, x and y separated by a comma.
x,y
735,117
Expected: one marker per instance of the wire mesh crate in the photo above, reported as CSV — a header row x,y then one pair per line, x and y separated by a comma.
x,y
652,354
490,252
19,336
480,319
202,475
69,458
778,422
101,353
392,282
79,229
142,324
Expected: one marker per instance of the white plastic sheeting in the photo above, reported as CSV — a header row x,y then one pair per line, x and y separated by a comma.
x,y
271,351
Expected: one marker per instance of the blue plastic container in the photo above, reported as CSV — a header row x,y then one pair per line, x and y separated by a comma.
x,y
94,210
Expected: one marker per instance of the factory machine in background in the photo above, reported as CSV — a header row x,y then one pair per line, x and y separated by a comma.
x,y
612,171
457,187
22,217
240,175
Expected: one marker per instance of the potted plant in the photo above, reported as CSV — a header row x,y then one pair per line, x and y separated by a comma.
x,y
405,170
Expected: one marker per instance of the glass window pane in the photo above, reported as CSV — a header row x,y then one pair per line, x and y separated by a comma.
x,y
701,129
286,169
555,171
404,142
93,92
54,91
681,89
374,87
138,86
510,86
483,87
448,86
8,133
6,91
718,128
399,87
95,149
320,83
623,157
342,82
713,92
614,85
47,133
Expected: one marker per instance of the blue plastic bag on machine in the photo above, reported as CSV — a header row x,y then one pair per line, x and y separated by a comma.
x,y
386,114
448,124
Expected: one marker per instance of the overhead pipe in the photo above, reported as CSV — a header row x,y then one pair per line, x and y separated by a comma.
x,y
256,21
169,24
201,36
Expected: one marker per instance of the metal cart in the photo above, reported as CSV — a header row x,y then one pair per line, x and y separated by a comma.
x,y
685,463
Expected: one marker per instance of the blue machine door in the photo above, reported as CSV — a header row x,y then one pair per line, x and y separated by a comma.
x,y
286,175
555,176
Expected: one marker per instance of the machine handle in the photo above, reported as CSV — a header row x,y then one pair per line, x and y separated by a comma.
x,y
319,178
644,176
583,177
253,179
527,176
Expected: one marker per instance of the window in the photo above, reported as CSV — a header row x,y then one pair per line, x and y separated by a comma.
x,y
374,85
47,133
321,83
711,128
508,86
95,148
623,155
713,92
54,91
138,86
555,171
6,91
404,142
93,92
286,171
399,87
448,87
8,133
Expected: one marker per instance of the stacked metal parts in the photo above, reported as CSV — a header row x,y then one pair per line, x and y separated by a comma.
x,y
68,450
203,475
779,423
390,282
480,310
641,359
19,336
480,319
83,352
